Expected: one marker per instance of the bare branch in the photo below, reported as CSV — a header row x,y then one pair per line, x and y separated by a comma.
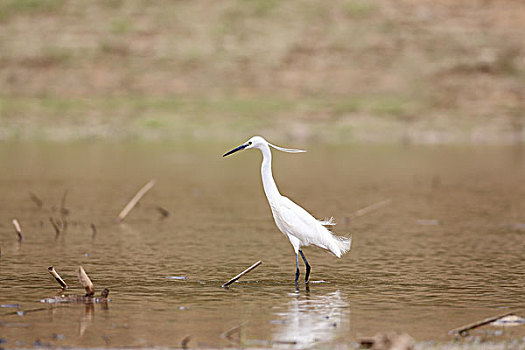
x,y
59,279
242,274
85,281
464,329
18,230
133,202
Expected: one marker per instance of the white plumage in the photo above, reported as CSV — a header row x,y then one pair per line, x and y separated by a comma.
x,y
301,228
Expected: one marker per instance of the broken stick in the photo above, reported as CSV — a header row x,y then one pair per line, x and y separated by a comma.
x,y
229,334
54,223
464,329
133,202
371,208
39,203
94,230
85,282
163,212
242,274
63,210
59,279
18,230
184,342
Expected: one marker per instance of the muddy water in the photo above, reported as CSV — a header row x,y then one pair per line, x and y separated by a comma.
x,y
447,250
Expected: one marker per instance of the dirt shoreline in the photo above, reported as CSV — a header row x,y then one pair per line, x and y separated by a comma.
x,y
219,119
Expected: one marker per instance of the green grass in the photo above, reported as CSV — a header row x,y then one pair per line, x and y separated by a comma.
x,y
9,8
215,116
359,8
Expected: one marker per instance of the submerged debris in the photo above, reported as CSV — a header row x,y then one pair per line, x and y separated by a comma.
x,y
76,299
427,222
164,213
19,312
233,334
39,203
85,281
10,305
371,208
56,336
63,210
185,341
55,225
94,230
388,341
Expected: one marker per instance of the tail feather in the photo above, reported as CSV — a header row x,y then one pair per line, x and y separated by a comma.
x,y
340,245
337,245
329,222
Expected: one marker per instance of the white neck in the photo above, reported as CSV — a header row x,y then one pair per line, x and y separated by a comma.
x,y
270,188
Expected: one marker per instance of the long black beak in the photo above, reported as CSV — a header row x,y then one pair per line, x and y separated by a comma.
x,y
241,147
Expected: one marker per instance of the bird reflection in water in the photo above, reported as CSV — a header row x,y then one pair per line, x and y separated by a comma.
x,y
309,319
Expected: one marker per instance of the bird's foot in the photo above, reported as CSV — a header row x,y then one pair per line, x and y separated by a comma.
x,y
307,275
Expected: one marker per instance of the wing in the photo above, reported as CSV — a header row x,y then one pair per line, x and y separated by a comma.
x,y
294,220
301,226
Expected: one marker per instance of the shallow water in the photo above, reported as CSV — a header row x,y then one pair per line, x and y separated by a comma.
x,y
448,249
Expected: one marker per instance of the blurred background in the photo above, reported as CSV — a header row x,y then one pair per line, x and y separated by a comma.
x,y
342,71
99,97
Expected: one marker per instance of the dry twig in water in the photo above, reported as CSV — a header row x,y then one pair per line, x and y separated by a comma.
x,y
63,210
463,331
59,279
371,208
229,334
54,223
163,212
39,203
85,282
94,229
133,202
88,298
185,341
242,274
18,230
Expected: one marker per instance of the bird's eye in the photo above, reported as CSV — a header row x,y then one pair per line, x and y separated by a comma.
x,y
249,143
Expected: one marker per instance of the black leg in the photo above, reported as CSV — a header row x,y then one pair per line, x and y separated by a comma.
x,y
307,266
297,271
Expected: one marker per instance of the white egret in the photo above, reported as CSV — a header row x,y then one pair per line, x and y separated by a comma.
x,y
301,228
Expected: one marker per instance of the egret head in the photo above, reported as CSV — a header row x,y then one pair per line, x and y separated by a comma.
x,y
260,143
